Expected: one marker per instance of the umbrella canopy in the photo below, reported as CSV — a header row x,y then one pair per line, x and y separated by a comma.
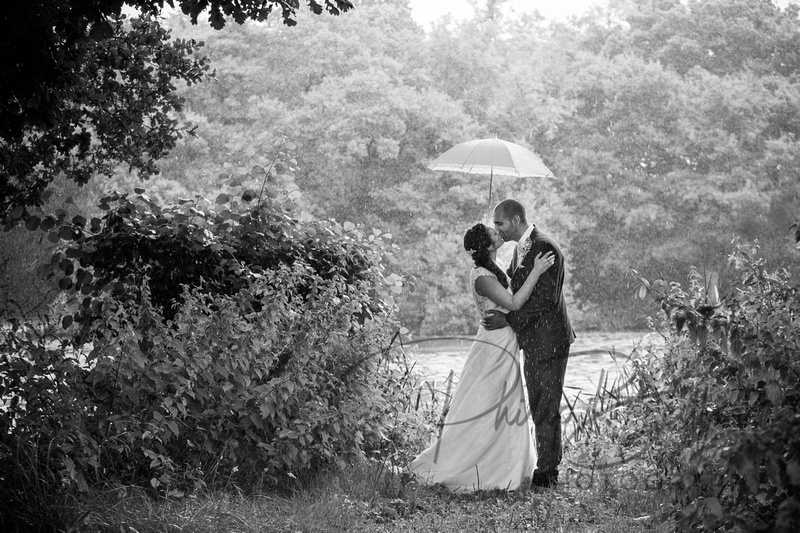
x,y
492,156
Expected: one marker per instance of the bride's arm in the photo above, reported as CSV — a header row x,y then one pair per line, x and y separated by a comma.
x,y
491,288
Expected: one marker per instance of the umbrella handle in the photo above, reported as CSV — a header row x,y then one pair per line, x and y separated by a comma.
x,y
491,175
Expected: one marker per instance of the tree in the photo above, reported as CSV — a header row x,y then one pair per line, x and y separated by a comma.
x,y
721,36
365,133
688,153
84,90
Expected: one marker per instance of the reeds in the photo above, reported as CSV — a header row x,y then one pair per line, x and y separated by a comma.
x,y
582,418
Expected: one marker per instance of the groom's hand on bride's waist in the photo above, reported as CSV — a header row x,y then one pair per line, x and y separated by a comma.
x,y
494,319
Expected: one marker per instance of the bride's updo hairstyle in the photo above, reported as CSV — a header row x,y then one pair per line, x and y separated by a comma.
x,y
477,243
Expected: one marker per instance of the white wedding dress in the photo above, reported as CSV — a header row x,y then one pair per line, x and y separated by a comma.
x,y
487,439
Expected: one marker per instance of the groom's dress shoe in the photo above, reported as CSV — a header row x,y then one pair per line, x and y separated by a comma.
x,y
545,480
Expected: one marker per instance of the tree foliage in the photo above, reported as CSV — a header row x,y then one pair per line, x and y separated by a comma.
x,y
658,165
688,153
84,91
671,128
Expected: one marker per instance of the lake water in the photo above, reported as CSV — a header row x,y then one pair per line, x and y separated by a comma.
x,y
594,354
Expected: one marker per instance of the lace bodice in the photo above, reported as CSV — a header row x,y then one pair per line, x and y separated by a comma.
x,y
482,303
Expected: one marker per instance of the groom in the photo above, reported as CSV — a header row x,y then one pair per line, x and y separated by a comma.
x,y
543,330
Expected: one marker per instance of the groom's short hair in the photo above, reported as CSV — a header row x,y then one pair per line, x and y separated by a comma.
x,y
511,208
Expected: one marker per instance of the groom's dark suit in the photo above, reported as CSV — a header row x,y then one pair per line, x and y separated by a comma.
x,y
545,334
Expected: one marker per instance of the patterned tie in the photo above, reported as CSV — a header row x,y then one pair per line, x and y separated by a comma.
x,y
514,260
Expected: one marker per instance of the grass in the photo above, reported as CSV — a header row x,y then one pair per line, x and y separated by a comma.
x,y
368,497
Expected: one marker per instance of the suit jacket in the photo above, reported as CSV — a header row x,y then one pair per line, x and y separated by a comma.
x,y
542,324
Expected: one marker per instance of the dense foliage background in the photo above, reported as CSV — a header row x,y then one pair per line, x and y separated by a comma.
x,y
667,134
671,127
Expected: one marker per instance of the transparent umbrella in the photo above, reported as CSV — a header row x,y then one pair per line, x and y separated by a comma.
x,y
492,156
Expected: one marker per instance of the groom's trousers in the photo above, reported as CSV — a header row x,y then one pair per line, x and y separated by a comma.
x,y
544,376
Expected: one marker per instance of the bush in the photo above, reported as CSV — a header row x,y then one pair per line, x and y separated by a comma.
x,y
44,436
281,391
232,344
720,408
213,247
22,293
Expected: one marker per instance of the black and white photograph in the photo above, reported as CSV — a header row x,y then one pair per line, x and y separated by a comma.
x,y
443,266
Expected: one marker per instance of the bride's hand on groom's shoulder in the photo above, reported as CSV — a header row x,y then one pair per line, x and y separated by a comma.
x,y
494,319
542,262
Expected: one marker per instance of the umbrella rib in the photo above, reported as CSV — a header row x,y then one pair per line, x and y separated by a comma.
x,y
470,155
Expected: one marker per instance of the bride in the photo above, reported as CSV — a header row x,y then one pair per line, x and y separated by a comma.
x,y
486,441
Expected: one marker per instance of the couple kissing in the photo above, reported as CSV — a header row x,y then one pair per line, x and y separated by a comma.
x,y
503,428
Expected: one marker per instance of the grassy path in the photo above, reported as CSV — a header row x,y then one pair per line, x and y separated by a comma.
x,y
368,498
